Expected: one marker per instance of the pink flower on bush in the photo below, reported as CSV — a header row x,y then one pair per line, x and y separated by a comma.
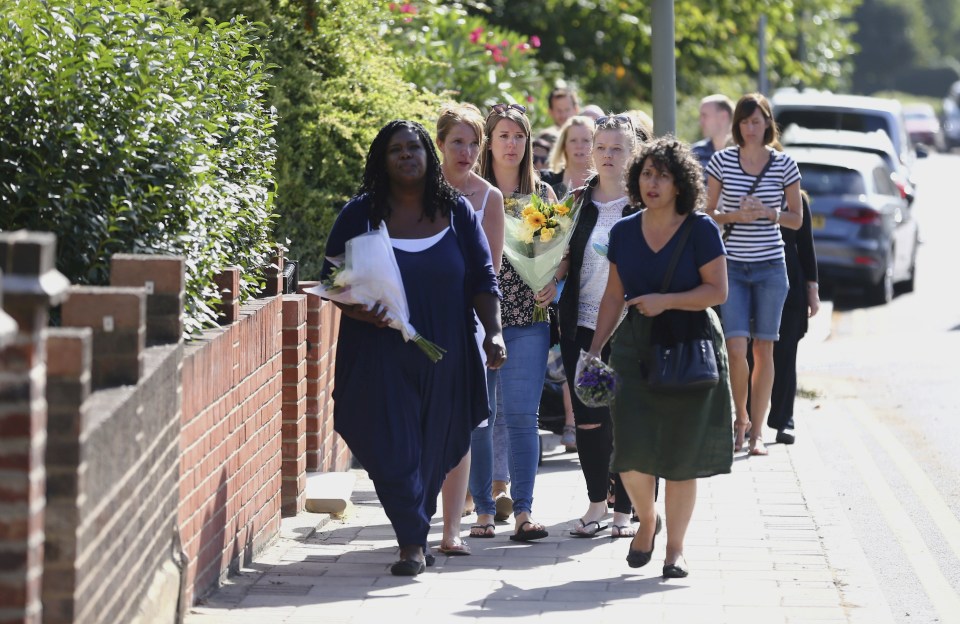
x,y
523,47
529,99
535,41
408,8
392,6
475,34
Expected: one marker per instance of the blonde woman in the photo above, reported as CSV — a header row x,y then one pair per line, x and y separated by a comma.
x,y
603,202
571,159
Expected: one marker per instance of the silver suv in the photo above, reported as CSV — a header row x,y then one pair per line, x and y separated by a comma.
x,y
829,111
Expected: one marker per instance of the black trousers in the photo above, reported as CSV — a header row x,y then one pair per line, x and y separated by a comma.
x,y
595,445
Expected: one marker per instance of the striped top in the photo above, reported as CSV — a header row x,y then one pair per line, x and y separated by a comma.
x,y
758,241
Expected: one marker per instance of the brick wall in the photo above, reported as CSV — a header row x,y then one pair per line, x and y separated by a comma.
x,y
154,444
230,444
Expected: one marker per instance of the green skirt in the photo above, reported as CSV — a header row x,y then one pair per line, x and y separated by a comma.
x,y
675,436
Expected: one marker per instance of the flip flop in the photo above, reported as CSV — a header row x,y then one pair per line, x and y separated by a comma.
x,y
484,528
527,536
584,532
622,531
457,550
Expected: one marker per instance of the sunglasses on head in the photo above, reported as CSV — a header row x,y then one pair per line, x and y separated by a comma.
x,y
502,108
613,120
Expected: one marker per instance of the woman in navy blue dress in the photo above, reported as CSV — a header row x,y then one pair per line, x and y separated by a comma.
x,y
406,419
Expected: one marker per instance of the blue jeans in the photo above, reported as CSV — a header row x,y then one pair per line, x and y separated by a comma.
x,y
481,452
755,296
521,384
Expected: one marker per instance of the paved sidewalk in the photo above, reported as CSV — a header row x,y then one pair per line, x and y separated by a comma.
x,y
766,544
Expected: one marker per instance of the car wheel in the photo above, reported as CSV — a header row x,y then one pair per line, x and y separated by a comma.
x,y
882,291
907,285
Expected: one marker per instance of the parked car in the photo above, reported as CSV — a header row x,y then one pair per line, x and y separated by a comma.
x,y
923,126
876,142
951,117
864,231
830,111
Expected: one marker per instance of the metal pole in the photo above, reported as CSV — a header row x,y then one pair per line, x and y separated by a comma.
x,y
664,69
762,85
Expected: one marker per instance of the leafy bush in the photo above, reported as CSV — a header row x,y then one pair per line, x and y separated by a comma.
x,y
126,129
443,49
335,84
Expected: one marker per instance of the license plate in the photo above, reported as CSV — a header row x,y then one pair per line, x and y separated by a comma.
x,y
818,221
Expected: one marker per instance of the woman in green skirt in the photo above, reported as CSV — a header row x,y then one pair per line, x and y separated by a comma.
x,y
682,436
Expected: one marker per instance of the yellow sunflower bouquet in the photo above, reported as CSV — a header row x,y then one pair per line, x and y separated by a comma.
x,y
537,233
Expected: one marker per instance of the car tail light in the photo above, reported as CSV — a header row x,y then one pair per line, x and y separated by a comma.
x,y
858,214
902,187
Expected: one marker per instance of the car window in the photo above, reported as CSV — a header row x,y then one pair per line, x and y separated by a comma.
x,y
883,182
833,120
830,180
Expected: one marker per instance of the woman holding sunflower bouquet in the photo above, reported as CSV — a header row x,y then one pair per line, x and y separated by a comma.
x,y
507,163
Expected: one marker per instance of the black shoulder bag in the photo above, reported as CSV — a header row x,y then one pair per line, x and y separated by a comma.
x,y
728,227
683,356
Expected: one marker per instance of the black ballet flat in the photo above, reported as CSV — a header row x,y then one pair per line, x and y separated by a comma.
x,y
407,567
639,558
429,560
675,570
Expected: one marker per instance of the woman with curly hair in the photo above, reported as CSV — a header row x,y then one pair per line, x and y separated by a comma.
x,y
684,436
406,419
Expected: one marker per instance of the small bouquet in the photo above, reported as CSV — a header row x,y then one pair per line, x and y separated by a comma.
x,y
367,274
537,233
595,382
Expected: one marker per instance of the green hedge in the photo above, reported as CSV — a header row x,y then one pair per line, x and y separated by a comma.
x,y
125,128
335,84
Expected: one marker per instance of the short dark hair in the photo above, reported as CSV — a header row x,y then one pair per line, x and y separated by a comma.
x,y
669,154
560,92
438,195
746,107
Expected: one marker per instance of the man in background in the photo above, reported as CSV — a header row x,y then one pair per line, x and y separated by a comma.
x,y
563,105
716,125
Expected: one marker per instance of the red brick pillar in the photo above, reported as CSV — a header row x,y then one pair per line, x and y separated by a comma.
x,y
30,286
326,451
68,386
228,287
163,279
294,439
118,319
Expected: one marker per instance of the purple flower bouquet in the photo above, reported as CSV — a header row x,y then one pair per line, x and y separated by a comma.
x,y
595,382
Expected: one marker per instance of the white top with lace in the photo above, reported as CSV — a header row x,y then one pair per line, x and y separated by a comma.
x,y
596,268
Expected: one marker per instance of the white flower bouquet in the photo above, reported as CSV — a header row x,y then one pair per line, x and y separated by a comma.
x,y
367,274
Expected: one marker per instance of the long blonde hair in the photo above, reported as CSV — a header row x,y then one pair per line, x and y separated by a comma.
x,y
558,155
528,175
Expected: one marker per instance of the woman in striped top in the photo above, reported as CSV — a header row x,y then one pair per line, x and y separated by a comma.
x,y
746,188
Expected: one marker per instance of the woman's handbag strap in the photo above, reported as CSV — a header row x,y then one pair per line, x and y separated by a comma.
x,y
675,258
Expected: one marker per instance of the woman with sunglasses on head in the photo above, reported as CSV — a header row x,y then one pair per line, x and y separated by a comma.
x,y
407,419
507,163
746,188
571,159
460,139
602,202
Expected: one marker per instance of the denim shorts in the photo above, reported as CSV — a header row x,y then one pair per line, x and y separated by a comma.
x,y
755,297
